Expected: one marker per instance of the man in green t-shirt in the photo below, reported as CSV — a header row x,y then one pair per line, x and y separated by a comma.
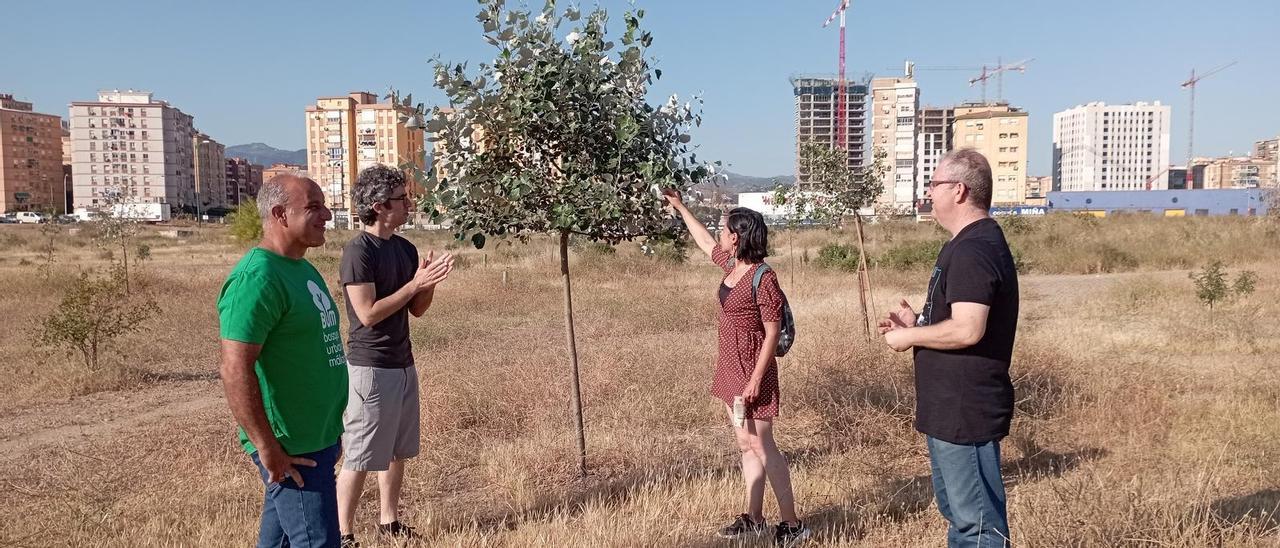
x,y
283,367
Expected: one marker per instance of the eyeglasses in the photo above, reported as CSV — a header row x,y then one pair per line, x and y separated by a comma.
x,y
404,198
934,183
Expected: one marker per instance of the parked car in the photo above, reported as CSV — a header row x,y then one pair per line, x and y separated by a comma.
x,y
31,217
66,219
7,220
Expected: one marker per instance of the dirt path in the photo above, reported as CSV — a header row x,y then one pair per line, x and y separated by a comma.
x,y
78,420
1055,290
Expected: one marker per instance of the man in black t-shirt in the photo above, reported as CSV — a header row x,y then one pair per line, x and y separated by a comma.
x,y
963,342
384,281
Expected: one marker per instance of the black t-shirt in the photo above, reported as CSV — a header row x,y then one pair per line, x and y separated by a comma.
x,y
388,265
965,396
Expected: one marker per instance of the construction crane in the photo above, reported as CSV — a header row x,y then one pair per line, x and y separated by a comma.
x,y
1152,178
842,132
998,72
1191,126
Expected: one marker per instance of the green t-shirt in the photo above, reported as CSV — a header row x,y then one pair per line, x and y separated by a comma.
x,y
281,304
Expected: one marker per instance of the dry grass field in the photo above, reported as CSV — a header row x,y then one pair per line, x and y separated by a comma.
x,y
1142,421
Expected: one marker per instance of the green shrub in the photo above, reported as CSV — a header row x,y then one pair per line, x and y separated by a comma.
x,y
93,314
245,222
838,256
1211,284
910,255
1244,284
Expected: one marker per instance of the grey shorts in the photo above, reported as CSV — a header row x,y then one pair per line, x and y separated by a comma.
x,y
381,419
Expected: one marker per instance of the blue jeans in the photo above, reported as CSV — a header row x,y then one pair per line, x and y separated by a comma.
x,y
305,517
970,493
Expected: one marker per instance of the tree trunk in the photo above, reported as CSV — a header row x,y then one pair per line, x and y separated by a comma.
x,y
864,279
573,354
124,255
93,354
791,246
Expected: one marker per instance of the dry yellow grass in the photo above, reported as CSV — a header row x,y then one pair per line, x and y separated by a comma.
x,y
1140,422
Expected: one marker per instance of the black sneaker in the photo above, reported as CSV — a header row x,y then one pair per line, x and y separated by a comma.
x,y
744,525
396,529
787,536
349,541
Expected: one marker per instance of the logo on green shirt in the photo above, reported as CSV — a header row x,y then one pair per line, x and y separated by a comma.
x,y
328,317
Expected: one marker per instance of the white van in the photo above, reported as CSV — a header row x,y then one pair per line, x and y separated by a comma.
x,y
31,217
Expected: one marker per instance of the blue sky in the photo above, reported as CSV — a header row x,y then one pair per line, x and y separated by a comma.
x,y
246,70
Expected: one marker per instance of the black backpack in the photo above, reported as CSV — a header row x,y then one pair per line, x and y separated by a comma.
x,y
787,329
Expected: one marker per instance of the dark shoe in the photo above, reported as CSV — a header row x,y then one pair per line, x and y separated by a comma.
x,y
787,536
349,541
396,529
744,525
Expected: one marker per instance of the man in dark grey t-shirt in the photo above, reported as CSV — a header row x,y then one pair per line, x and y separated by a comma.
x,y
963,343
384,281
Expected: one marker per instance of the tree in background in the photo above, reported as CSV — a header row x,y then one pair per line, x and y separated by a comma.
x,y
833,193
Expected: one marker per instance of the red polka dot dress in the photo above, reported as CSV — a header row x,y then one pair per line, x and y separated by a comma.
x,y
741,335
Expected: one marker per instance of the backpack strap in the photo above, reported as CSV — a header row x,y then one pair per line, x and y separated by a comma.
x,y
755,280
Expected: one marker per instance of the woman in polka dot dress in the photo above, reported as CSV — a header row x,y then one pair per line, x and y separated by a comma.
x,y
745,363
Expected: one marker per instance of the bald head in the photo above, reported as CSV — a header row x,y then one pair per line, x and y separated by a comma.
x,y
278,190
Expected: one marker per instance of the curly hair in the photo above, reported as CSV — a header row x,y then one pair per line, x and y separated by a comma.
x,y
374,185
753,234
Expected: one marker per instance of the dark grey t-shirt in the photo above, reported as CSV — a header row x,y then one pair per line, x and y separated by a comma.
x,y
965,396
388,265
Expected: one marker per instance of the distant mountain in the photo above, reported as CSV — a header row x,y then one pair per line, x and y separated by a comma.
x,y
264,154
733,184
730,185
